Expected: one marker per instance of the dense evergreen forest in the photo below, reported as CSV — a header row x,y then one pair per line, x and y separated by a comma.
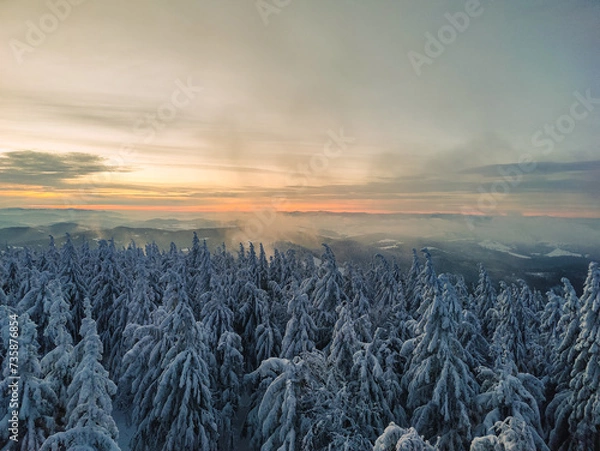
x,y
243,351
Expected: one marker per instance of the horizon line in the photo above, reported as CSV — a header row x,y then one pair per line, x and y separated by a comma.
x,y
165,209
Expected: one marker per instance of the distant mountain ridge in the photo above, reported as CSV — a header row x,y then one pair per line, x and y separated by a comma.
x,y
542,266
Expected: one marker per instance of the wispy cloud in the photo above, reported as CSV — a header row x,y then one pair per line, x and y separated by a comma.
x,y
541,168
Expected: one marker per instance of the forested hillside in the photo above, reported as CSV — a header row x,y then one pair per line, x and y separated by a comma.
x,y
237,350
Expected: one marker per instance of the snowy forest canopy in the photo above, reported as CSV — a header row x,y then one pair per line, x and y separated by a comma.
x,y
240,351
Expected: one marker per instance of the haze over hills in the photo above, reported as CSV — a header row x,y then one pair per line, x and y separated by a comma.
x,y
540,250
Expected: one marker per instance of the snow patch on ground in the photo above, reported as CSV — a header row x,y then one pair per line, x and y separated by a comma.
x,y
125,431
541,275
495,246
242,442
389,243
562,253
499,247
518,255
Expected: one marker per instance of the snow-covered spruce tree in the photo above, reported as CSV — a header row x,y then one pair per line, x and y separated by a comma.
x,y
560,407
327,408
74,285
252,311
216,314
396,438
109,304
465,298
473,340
550,335
279,297
3,302
113,335
344,343
368,386
87,261
413,285
11,280
49,259
387,347
439,383
129,260
252,317
294,271
89,404
284,268
172,259
142,300
360,303
80,439
222,261
36,303
256,383
307,268
276,421
295,408
512,434
486,443
267,339
389,300
532,304
251,265
177,413
155,271
263,278
470,333
27,276
430,287
37,400
199,272
584,420
5,312
509,337
569,326
485,303
327,296
349,441
277,267
229,385
57,367
507,393
140,368
355,288
301,331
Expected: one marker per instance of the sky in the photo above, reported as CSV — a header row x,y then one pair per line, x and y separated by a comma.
x,y
470,107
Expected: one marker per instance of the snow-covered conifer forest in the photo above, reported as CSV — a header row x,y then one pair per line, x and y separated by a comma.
x,y
239,350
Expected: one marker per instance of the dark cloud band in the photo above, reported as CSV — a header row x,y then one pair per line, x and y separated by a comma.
x,y
28,167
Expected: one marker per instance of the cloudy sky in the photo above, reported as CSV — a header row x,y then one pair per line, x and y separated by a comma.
x,y
378,106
